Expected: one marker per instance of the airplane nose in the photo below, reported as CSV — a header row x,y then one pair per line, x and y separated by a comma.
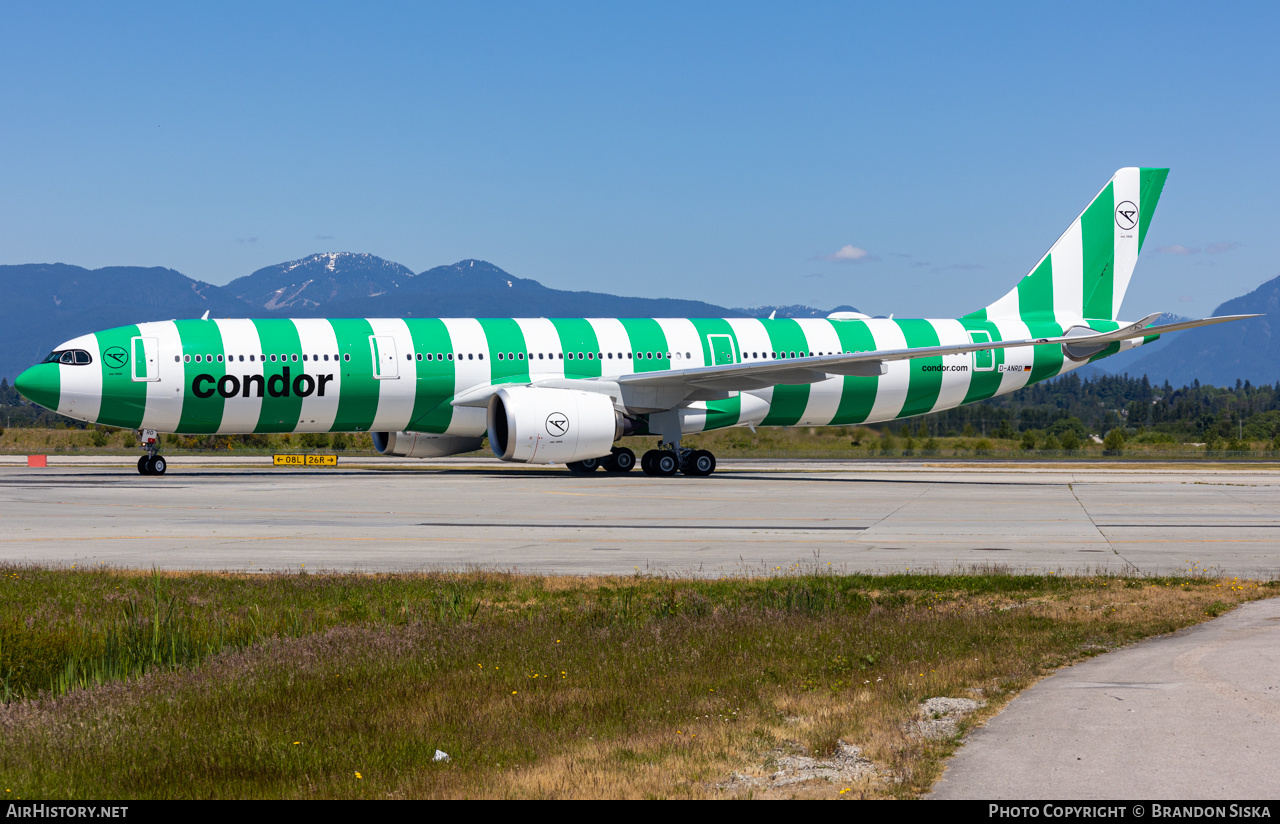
x,y
40,384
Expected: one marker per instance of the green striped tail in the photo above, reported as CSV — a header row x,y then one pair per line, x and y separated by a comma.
x,y
1086,273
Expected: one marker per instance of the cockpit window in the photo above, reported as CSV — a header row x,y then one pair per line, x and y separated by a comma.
x,y
77,357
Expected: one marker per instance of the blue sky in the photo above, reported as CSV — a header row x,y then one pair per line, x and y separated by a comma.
x,y
719,151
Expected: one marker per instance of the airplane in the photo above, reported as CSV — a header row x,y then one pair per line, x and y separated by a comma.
x,y
564,391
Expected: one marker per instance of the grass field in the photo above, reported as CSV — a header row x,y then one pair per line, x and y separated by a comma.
x,y
143,685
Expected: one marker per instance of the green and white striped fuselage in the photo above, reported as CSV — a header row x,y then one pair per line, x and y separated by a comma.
x,y
389,375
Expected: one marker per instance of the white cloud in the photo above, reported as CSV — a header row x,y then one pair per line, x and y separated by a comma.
x,y
849,253
1221,246
1178,249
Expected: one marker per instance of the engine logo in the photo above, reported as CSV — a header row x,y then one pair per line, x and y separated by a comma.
x,y
557,424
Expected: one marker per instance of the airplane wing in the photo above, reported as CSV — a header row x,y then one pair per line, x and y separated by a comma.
x,y
759,374
649,391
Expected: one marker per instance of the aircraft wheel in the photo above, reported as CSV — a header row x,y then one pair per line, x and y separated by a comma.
x,y
700,464
665,464
584,467
622,460
143,467
158,465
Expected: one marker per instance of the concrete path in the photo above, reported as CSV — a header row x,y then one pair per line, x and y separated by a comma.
x,y
1193,715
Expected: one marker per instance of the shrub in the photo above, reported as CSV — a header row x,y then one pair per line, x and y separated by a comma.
x,y
1113,444
1071,424
314,440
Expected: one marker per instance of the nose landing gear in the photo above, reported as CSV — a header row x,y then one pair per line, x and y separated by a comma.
x,y
151,463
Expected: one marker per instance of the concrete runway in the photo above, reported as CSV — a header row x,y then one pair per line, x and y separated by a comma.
x,y
750,517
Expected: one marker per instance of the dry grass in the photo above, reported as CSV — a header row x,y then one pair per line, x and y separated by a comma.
x,y
541,687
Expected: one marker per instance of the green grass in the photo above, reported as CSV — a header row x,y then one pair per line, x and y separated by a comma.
x,y
128,685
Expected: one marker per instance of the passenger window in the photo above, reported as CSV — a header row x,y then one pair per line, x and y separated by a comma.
x,y
346,357
187,358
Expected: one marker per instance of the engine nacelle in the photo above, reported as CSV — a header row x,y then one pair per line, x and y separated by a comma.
x,y
528,424
422,444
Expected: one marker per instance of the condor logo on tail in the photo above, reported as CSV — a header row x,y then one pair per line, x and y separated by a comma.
x,y
252,386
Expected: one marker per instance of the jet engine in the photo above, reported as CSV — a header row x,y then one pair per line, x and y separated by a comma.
x,y
422,444
538,425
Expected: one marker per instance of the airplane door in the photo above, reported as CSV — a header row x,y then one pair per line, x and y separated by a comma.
x,y
722,350
385,364
984,359
146,365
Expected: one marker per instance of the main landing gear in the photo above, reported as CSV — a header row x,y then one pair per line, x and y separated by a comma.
x,y
663,462
620,459
151,463
673,458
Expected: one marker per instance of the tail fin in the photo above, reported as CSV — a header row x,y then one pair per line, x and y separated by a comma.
x,y
1087,271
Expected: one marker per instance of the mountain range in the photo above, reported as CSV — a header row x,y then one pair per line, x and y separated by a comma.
x,y
50,303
